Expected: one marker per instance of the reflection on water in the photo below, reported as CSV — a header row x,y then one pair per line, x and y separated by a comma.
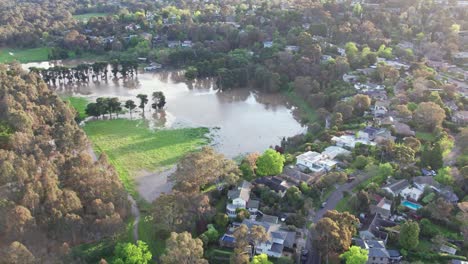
x,y
248,121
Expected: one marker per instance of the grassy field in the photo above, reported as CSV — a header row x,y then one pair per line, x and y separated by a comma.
x,y
132,147
79,104
425,136
87,16
24,55
307,113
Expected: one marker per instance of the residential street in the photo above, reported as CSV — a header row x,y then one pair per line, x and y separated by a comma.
x,y
332,201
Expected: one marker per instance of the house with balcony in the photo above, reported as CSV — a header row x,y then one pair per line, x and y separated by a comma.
x,y
240,198
279,240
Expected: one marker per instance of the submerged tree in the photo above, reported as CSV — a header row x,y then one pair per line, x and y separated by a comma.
x,y
130,105
143,101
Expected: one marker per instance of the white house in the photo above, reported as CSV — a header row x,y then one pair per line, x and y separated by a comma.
x,y
240,198
350,141
411,193
315,161
268,44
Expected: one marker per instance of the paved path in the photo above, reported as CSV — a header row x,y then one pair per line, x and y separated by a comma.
x,y
332,201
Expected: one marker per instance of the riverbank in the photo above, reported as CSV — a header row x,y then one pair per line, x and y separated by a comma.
x,y
132,147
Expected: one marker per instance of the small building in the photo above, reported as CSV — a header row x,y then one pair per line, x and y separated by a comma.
x,y
378,253
173,44
383,208
268,44
275,183
153,66
460,117
448,250
187,44
291,48
315,161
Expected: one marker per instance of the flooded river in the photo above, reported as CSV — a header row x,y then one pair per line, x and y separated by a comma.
x,y
242,121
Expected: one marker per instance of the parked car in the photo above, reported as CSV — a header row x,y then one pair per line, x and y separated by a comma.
x,y
304,255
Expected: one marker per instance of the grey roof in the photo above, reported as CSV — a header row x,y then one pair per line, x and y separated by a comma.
x,y
290,239
253,204
270,219
242,192
277,248
393,253
279,235
428,180
397,186
378,253
449,195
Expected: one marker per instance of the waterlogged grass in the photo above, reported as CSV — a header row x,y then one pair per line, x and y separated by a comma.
x,y
132,147
79,104
307,113
87,16
24,55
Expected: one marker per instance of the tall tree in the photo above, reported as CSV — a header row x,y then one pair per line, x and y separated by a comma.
x,y
355,255
429,115
409,235
143,101
335,231
130,105
182,248
132,254
269,163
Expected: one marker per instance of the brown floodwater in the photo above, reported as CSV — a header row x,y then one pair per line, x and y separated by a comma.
x,y
241,121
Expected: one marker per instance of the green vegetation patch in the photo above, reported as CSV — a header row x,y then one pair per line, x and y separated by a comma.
x,y
87,16
79,104
132,147
146,233
425,136
24,55
307,113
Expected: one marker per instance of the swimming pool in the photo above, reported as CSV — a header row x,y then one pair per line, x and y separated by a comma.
x,y
412,206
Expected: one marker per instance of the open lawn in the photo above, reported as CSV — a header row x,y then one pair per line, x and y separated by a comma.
x,y
132,147
425,136
343,205
79,104
87,16
24,55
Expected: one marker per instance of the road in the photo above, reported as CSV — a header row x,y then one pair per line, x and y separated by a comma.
x,y
134,208
332,201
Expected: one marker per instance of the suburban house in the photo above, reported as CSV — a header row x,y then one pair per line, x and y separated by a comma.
x,y
380,108
378,253
278,241
460,117
375,134
383,208
173,44
404,189
268,44
275,183
240,198
350,141
319,162
291,48
395,187
187,44
446,192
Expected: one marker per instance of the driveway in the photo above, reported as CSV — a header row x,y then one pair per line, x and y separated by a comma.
x,y
332,201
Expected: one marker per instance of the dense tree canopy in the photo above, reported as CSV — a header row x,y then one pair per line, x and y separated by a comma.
x,y
270,163
59,190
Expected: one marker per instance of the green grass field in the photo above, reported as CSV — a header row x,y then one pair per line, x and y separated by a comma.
x,y
146,233
87,16
132,147
79,104
24,55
